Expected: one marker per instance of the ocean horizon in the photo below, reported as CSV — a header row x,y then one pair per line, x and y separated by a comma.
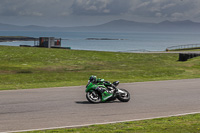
x,y
110,41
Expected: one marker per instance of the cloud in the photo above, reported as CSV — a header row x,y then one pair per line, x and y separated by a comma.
x,y
100,7
33,7
177,16
27,13
170,5
170,9
158,14
140,8
97,11
153,9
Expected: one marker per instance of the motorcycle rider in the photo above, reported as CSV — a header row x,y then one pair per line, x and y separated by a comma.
x,y
103,90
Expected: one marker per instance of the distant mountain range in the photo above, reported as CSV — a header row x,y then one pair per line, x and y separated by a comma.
x,y
116,25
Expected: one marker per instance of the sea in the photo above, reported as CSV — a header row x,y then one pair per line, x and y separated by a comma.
x,y
110,41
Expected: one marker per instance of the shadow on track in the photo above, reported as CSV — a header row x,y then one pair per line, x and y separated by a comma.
x,y
86,102
83,102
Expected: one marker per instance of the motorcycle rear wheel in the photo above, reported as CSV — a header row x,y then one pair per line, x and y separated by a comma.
x,y
124,97
93,97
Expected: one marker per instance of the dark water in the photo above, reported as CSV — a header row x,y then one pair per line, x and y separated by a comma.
x,y
115,41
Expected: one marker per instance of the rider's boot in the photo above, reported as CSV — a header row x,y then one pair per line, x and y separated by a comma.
x,y
106,95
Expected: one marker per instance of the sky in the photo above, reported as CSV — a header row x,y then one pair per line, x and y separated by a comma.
x,y
69,13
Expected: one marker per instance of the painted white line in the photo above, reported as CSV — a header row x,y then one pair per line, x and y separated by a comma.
x,y
85,125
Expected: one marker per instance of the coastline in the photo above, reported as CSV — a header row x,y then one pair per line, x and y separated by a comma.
x,y
16,38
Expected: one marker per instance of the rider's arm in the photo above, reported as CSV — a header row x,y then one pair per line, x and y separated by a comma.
x,y
100,81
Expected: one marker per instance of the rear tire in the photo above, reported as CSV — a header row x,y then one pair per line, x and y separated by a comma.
x,y
124,97
93,97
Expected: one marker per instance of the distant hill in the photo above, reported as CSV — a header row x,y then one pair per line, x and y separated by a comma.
x,y
117,25
9,27
165,26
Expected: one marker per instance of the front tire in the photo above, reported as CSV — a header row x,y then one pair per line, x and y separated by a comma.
x,y
93,97
124,97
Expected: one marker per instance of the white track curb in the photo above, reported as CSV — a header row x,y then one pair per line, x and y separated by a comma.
x,y
84,125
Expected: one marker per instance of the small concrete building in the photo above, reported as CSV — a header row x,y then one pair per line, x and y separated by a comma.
x,y
50,42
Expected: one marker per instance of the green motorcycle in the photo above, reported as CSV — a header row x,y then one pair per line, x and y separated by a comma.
x,y
112,92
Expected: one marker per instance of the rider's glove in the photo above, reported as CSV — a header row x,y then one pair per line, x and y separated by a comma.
x,y
107,83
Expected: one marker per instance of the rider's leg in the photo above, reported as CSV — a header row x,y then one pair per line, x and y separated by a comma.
x,y
105,94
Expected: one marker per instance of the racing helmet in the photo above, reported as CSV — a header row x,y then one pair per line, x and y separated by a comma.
x,y
93,78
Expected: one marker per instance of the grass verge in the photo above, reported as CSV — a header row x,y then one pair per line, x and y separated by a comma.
x,y
180,124
23,68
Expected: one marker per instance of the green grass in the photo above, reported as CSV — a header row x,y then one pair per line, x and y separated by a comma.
x,y
24,68
180,124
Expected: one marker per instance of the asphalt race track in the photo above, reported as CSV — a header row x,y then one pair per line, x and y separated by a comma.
x,y
67,106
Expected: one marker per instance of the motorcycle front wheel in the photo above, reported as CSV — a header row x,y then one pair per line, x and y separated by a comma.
x,y
124,95
93,97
